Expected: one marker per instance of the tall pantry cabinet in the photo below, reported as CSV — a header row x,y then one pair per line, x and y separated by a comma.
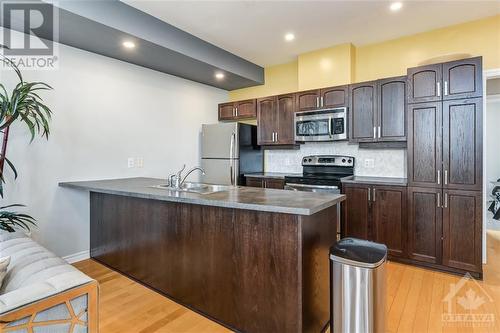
x,y
445,165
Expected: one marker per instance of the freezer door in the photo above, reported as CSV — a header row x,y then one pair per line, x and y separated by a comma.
x,y
220,141
220,171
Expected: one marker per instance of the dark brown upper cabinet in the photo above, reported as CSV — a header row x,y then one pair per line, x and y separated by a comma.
x,y
463,79
275,120
425,221
462,144
246,109
334,97
267,120
362,112
391,113
308,100
425,144
450,80
377,110
425,83
462,230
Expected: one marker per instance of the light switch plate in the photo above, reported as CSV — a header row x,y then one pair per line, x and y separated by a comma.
x,y
139,162
369,163
130,162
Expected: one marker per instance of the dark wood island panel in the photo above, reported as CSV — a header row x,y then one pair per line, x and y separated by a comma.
x,y
251,271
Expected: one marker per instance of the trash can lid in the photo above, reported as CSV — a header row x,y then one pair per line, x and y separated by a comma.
x,y
358,252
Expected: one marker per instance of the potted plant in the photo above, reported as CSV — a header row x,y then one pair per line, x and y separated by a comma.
x,y
25,106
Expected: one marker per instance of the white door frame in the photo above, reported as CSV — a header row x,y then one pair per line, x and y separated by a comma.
x,y
487,74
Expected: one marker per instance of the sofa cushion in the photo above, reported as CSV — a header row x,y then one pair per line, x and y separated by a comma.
x,y
4,263
34,272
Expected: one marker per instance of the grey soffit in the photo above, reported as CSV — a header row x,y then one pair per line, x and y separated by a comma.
x,y
101,27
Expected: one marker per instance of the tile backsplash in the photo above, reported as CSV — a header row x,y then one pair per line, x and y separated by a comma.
x,y
369,162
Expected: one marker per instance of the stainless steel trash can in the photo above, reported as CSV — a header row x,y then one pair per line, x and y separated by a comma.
x,y
358,284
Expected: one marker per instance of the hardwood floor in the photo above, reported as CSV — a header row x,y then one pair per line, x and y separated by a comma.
x,y
416,301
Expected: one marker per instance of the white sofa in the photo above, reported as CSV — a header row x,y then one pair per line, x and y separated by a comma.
x,y
42,293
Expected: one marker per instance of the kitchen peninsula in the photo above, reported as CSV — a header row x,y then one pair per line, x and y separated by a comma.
x,y
252,259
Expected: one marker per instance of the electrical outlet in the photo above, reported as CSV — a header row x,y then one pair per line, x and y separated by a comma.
x,y
139,162
369,163
130,162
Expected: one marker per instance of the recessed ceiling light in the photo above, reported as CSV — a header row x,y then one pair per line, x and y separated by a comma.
x,y
289,37
128,44
395,6
219,76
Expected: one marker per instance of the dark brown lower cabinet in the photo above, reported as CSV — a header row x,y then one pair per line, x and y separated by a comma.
x,y
445,229
424,224
377,213
265,182
462,230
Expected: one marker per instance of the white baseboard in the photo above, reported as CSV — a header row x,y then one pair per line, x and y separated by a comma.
x,y
79,256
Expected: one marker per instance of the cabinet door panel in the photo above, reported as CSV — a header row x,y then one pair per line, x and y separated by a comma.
x,y
247,109
307,100
463,79
389,218
424,224
424,83
254,182
362,112
226,111
274,183
424,144
392,109
285,110
334,97
462,230
357,212
462,144
267,122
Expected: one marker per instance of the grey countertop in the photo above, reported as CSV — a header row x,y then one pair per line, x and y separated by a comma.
x,y
390,181
268,200
273,175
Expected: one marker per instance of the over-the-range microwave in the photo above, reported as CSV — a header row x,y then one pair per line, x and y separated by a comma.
x,y
321,125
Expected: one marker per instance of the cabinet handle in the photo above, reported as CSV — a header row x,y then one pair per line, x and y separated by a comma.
x,y
273,136
322,101
276,136
446,177
446,88
236,112
374,196
438,88
369,194
374,132
379,132
317,102
445,200
439,177
439,200
264,183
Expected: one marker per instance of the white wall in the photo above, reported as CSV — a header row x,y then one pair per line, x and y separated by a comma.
x,y
104,112
492,150
387,162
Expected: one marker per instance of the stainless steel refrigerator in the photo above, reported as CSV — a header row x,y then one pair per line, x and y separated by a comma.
x,y
228,151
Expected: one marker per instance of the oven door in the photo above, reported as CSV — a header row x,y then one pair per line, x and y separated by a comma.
x,y
312,188
325,125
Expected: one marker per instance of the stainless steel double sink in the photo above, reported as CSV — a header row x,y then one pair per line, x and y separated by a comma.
x,y
198,188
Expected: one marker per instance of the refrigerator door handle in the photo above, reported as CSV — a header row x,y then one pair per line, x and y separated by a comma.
x,y
231,157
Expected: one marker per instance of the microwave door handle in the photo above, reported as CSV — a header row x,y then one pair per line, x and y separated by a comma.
x,y
330,126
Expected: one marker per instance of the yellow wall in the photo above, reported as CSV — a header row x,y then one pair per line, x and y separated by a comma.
x,y
346,63
279,79
391,58
328,67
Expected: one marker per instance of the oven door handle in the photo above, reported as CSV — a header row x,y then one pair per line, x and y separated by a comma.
x,y
326,187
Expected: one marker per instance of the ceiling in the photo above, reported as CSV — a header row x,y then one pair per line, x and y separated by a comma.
x,y
255,30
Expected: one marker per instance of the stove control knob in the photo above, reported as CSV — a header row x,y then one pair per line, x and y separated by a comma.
x,y
343,160
349,161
